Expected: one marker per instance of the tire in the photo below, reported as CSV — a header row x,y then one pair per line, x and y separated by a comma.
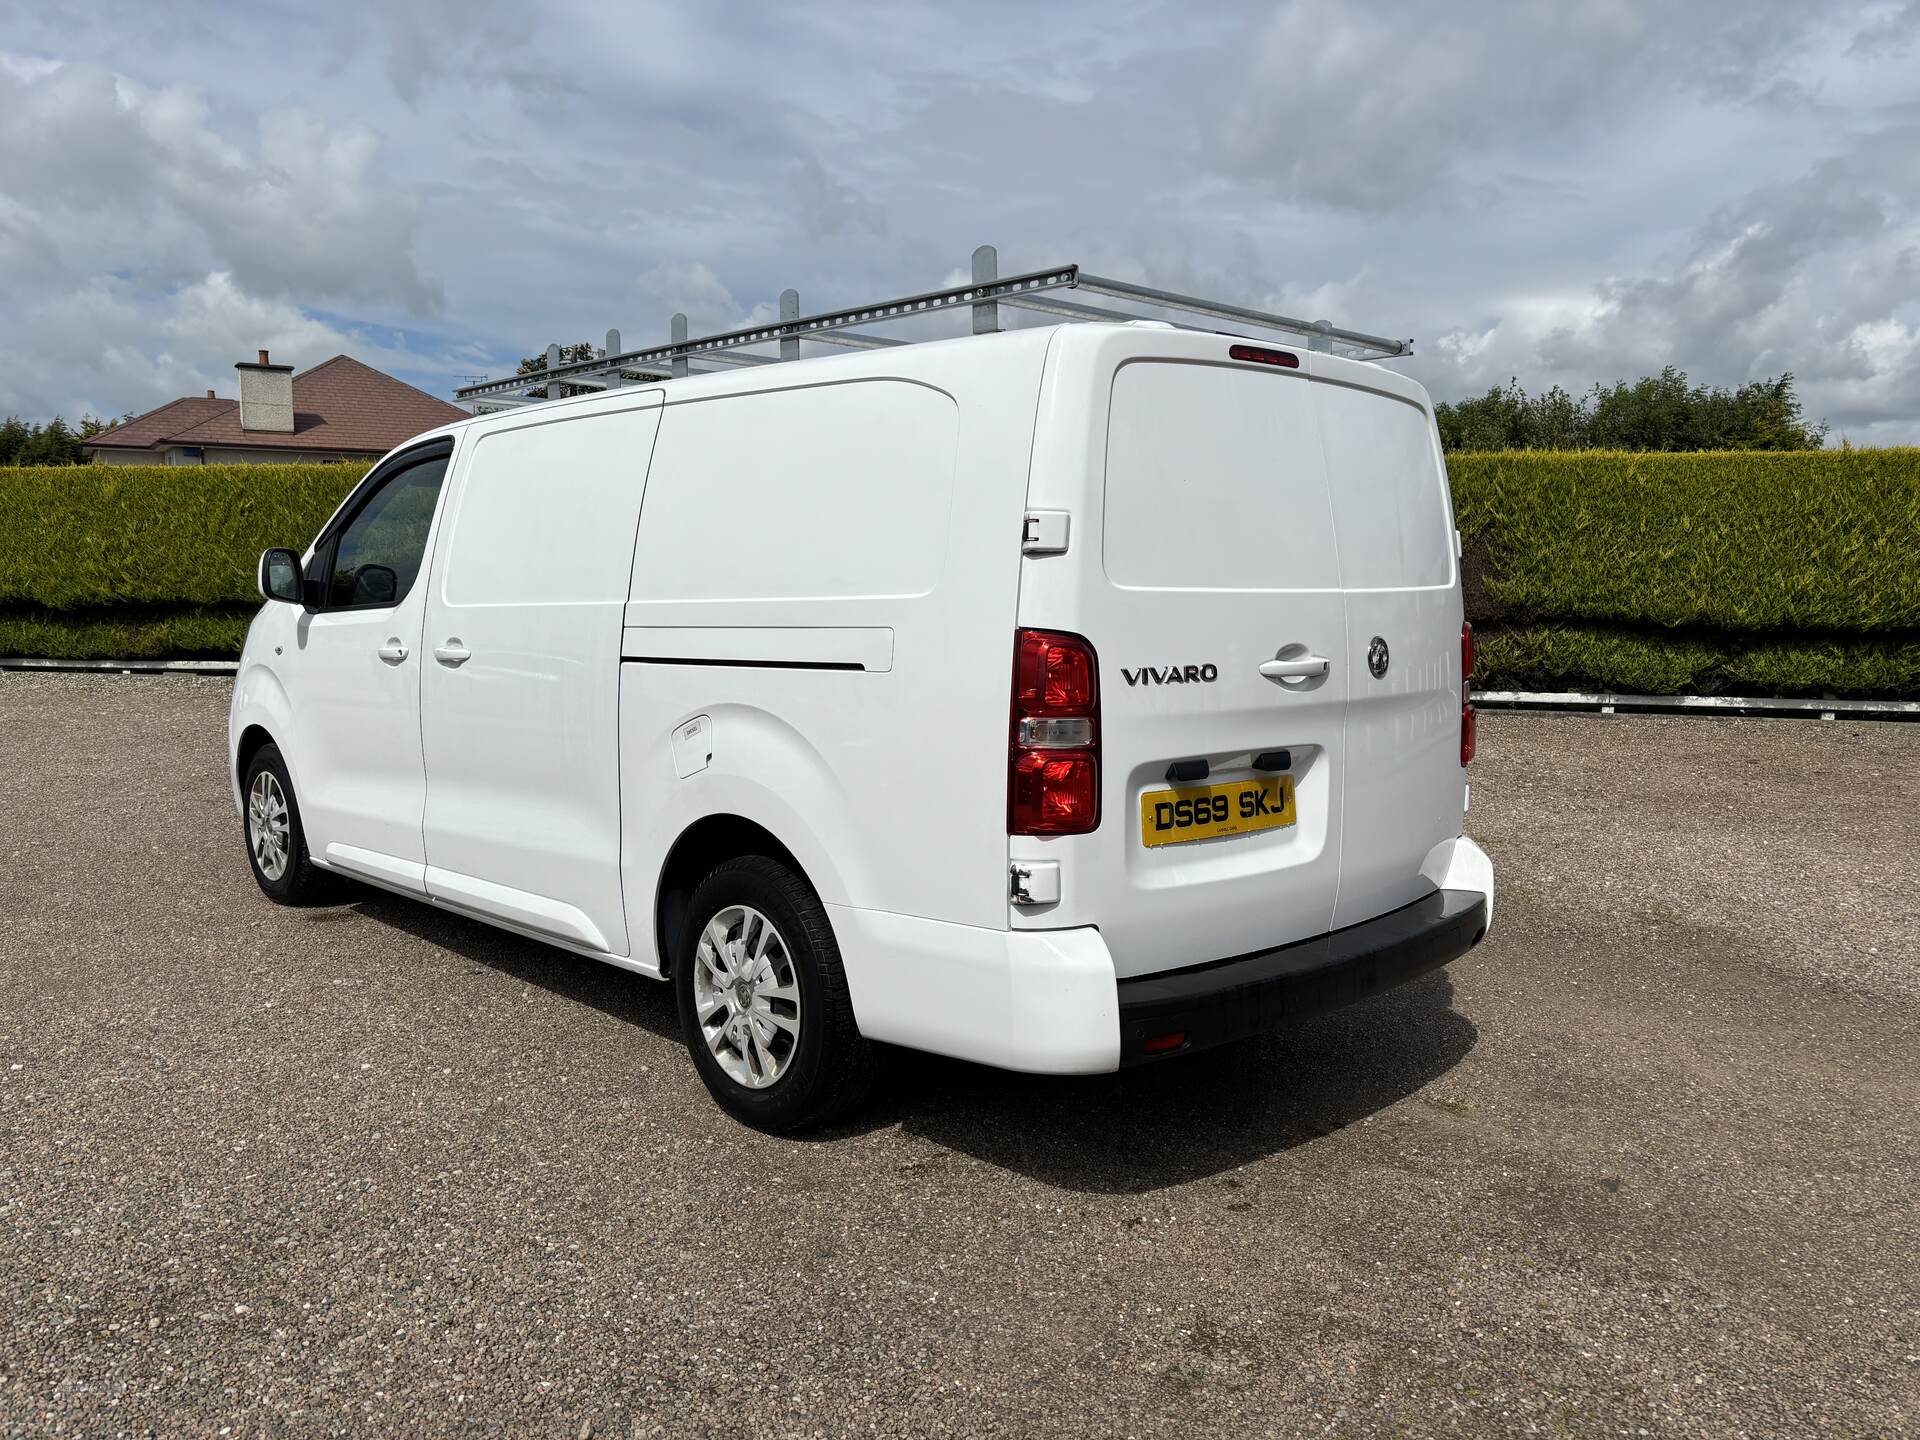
x,y
758,914
281,865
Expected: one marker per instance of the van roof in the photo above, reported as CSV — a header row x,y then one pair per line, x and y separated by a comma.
x,y
979,299
995,351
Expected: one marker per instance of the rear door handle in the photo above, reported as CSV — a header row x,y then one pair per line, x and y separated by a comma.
x,y
393,652
452,653
1300,668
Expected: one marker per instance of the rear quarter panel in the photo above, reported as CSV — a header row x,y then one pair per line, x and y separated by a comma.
x,y
888,785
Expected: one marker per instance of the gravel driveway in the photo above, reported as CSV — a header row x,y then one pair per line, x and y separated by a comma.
x,y
1644,1163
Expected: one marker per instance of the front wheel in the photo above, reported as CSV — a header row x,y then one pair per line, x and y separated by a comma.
x,y
276,841
763,999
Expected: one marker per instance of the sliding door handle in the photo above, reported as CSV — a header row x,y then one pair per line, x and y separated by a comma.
x,y
453,653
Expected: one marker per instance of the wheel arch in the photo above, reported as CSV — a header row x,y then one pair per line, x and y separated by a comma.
x,y
260,715
699,849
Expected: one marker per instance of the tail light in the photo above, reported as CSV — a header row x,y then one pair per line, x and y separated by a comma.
x,y
1053,758
1468,719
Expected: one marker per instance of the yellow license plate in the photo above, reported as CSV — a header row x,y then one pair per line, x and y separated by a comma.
x,y
1204,812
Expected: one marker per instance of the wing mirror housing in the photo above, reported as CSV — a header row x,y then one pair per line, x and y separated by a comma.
x,y
280,578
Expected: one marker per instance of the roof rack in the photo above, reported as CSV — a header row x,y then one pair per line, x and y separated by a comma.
x,y
1042,291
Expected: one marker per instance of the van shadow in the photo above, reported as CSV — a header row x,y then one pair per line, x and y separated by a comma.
x,y
1163,1124
1185,1119
620,994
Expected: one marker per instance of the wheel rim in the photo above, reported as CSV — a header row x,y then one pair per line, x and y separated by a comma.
x,y
746,996
268,826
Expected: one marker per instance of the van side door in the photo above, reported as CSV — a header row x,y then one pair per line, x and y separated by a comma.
x,y
521,681
353,678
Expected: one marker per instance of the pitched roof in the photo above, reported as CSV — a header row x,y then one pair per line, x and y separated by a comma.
x,y
339,405
153,428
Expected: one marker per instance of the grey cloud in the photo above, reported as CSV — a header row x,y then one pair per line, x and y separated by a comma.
x,y
142,181
1379,107
1567,192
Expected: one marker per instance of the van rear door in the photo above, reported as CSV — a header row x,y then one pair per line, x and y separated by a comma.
x,y
1393,519
1213,555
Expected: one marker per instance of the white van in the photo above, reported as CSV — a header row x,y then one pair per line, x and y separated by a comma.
x,y
1059,699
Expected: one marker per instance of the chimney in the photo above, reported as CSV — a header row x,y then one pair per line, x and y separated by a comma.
x,y
266,396
210,395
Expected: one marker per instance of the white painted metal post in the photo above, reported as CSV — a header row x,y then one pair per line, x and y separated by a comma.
x,y
679,336
612,377
553,363
986,268
789,310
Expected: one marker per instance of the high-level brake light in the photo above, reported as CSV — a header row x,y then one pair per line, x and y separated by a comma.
x,y
1261,355
1053,758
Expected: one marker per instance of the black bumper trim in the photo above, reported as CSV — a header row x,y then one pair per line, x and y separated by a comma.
x,y
1252,994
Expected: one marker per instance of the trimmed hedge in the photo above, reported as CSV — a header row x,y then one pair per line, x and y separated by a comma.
x,y
1555,657
1825,541
154,535
130,633
1795,573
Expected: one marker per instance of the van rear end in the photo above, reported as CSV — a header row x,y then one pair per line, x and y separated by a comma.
x,y
1240,723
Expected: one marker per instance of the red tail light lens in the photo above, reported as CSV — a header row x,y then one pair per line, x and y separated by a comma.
x,y
1053,760
1054,794
1054,675
1469,721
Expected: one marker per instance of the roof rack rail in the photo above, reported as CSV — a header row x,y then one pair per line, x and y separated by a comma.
x,y
1041,291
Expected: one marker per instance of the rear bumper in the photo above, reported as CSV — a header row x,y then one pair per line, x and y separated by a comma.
x,y
1251,994
1049,1000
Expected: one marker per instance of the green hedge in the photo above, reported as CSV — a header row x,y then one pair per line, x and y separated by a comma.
x,y
1792,573
100,535
1557,657
135,632
1749,542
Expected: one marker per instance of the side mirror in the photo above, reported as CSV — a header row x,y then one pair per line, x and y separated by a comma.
x,y
280,577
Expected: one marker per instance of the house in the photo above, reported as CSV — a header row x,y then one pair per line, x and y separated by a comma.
x,y
338,410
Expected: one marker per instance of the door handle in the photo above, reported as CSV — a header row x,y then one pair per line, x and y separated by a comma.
x,y
393,652
452,653
1302,667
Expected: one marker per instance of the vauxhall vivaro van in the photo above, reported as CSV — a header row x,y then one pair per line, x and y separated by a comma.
x,y
1060,699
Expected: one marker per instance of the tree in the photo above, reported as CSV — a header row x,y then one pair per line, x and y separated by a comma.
x,y
52,444
14,436
92,425
569,355
1655,412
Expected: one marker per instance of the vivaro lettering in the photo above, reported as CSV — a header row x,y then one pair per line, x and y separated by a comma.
x,y
1172,675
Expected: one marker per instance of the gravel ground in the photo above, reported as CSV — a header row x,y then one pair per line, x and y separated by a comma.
x,y
1644,1163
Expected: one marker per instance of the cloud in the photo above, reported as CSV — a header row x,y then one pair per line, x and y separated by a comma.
x,y
1817,274
133,179
147,246
1566,192
1378,107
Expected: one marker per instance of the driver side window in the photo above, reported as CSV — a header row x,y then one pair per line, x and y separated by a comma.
x,y
377,557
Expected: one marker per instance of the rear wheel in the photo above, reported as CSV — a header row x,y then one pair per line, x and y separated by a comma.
x,y
763,999
276,842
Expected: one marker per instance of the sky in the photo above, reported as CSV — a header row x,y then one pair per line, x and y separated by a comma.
x,y
1563,191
